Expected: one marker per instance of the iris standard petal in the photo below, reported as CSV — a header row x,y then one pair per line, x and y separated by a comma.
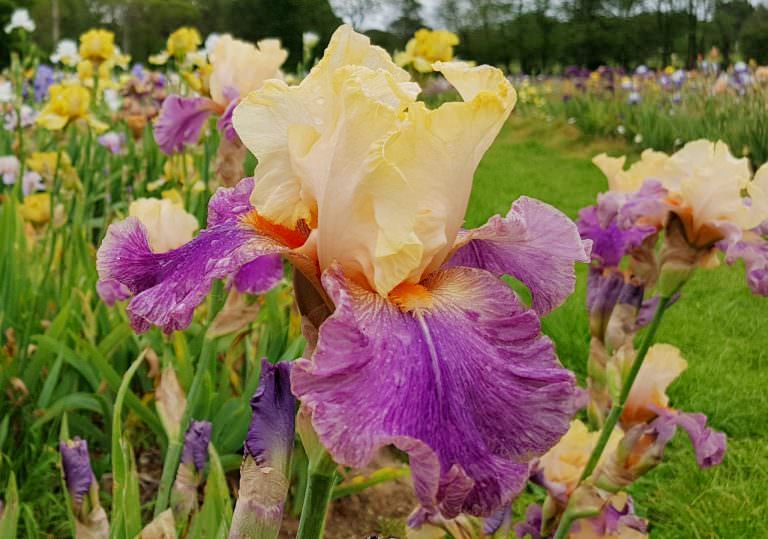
x,y
180,122
534,243
460,371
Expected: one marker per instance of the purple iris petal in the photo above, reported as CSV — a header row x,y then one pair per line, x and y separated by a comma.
x,y
112,141
532,525
468,387
534,243
610,242
271,433
77,467
261,275
169,286
196,444
44,78
603,290
708,444
497,519
225,122
754,253
180,122
230,202
647,203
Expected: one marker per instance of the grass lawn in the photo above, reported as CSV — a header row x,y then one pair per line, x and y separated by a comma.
x,y
720,327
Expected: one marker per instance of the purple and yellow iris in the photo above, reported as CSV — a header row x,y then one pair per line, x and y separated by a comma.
x,y
364,190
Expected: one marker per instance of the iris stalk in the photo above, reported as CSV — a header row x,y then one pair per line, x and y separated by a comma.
x,y
175,445
613,417
322,478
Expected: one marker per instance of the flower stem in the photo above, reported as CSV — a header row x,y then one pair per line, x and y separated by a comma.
x,y
316,501
176,444
616,411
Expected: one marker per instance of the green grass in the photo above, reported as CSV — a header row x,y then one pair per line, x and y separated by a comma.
x,y
720,327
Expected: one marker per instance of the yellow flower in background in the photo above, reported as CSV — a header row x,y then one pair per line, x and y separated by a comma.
x,y
36,208
183,41
427,47
67,104
97,45
168,225
85,69
44,163
181,169
563,464
243,67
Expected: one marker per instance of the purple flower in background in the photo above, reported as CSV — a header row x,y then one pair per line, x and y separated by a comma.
x,y
752,248
196,444
641,70
77,467
112,141
44,78
138,71
180,122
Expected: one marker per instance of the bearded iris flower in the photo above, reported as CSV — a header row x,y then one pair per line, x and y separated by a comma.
x,y
698,196
238,68
364,190
97,45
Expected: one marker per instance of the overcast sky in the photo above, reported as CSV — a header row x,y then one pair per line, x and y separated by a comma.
x,y
381,17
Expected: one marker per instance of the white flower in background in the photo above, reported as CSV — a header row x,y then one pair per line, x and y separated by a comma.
x,y
621,130
638,139
20,19
9,169
32,182
6,92
310,40
112,99
28,117
66,53
210,43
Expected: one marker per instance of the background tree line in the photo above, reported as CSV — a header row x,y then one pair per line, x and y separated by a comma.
x,y
528,35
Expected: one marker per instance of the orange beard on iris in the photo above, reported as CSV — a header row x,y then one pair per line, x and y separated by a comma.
x,y
411,297
291,238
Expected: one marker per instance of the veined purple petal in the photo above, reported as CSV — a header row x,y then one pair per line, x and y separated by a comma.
x,y
496,520
708,444
534,243
167,287
272,429
468,379
78,473
196,441
228,203
180,121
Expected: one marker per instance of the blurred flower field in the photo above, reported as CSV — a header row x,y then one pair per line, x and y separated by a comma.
x,y
393,293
